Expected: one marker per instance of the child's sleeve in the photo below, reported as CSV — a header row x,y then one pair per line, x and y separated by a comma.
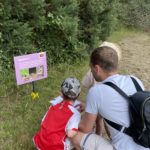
x,y
73,122
56,100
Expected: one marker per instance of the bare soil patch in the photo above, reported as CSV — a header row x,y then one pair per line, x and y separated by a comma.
x,y
136,57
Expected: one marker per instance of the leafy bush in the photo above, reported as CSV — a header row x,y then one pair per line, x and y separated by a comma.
x,y
60,35
65,29
16,30
136,13
97,20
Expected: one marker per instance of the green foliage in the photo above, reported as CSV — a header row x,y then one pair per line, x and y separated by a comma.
x,y
65,29
18,21
97,20
59,36
136,13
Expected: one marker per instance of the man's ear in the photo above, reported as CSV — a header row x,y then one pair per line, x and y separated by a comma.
x,y
97,68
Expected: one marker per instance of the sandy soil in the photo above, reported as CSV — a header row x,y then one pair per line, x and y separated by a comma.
x,y
136,57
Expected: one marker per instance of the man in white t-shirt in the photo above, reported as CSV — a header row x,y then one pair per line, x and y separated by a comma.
x,y
105,102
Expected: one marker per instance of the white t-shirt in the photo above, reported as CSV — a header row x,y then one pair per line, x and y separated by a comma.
x,y
107,102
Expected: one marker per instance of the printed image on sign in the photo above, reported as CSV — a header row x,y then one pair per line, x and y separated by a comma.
x,y
30,67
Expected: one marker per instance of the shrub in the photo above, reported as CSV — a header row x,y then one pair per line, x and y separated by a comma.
x,y
97,20
65,29
136,13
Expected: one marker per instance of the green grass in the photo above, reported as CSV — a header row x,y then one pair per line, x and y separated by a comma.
x,y
122,33
20,116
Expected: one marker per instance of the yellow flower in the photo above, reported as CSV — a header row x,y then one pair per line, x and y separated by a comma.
x,y
34,95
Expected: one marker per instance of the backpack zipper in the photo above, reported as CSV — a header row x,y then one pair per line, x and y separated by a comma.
x,y
142,113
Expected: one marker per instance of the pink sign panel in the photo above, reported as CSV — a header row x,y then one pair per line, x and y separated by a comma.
x,y
30,67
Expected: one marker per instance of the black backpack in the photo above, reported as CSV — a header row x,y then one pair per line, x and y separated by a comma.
x,y
139,110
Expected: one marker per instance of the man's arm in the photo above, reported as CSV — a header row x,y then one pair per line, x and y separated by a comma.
x,y
87,123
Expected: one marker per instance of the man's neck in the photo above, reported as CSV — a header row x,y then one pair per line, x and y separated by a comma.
x,y
108,74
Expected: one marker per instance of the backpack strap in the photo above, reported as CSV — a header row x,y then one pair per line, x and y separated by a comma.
x,y
117,126
136,84
113,124
115,87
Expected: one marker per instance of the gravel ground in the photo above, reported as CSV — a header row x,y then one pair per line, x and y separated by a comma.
x,y
136,57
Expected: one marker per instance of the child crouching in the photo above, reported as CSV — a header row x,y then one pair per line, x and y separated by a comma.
x,y
61,120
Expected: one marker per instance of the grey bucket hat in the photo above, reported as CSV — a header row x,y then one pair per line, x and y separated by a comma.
x,y
71,88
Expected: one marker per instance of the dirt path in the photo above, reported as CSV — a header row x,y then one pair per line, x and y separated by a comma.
x,y
136,57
